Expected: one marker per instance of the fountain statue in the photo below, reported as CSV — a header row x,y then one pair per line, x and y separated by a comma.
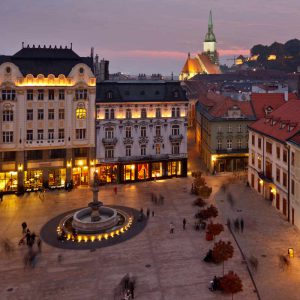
x,y
95,221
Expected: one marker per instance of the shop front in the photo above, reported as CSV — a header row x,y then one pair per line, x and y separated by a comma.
x,y
157,170
108,173
143,171
129,172
174,168
80,175
57,178
8,181
33,180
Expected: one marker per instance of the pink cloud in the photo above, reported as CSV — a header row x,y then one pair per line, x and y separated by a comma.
x,y
166,54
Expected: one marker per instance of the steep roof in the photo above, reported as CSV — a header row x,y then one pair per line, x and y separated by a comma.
x,y
215,107
282,123
261,103
192,66
207,65
38,60
140,91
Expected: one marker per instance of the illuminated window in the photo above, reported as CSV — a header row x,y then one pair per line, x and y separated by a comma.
x,y
259,162
80,113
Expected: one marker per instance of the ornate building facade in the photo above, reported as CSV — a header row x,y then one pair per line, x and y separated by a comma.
x,y
47,109
141,130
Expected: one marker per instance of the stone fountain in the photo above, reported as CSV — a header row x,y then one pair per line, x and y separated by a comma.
x,y
95,221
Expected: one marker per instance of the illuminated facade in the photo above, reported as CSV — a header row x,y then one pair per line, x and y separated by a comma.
x,y
140,130
222,134
274,159
47,108
205,63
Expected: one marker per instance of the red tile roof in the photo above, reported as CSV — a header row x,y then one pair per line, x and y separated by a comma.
x,y
261,102
281,124
296,139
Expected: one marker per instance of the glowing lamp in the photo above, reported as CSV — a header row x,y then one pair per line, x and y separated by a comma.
x,y
291,252
20,167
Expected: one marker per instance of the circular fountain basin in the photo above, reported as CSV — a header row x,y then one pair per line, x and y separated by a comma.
x,y
82,219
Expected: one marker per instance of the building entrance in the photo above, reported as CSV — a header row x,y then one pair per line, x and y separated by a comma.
x,y
80,176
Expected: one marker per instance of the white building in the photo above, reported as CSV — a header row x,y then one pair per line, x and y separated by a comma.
x,y
273,170
47,109
141,130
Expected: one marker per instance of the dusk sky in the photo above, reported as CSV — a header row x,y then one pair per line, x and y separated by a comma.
x,y
143,36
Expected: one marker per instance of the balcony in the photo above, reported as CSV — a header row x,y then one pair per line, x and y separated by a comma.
x,y
109,141
232,151
44,143
158,139
143,140
265,176
128,140
176,138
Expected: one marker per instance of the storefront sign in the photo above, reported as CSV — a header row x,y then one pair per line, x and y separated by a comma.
x,y
35,165
9,167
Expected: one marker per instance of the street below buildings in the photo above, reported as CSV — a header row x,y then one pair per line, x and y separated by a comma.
x,y
167,266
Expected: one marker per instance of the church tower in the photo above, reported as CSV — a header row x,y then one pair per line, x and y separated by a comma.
x,y
210,42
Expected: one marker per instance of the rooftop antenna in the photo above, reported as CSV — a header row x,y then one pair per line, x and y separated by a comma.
x,y
92,52
172,76
71,45
22,44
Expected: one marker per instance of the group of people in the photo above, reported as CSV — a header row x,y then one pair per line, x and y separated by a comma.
x,y
238,225
157,200
30,238
148,212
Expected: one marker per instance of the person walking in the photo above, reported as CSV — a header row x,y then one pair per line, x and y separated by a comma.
x,y
171,228
24,227
183,223
242,225
131,288
39,244
28,237
1,195
148,212
152,213
237,225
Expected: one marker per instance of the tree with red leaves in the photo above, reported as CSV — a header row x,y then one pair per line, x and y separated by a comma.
x,y
215,229
222,251
231,283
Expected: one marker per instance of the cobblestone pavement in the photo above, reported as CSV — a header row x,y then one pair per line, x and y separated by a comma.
x,y
175,268
266,236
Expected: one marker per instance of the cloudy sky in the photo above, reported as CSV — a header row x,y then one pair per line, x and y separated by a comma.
x,y
146,36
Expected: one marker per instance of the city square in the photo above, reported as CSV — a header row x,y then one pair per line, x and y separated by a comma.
x,y
149,150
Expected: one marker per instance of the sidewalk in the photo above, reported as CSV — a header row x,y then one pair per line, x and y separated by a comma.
x,y
266,236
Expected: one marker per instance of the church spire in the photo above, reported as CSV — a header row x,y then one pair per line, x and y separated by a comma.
x,y
210,36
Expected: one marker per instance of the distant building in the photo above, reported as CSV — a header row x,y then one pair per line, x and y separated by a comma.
x,y
141,130
273,159
47,108
205,63
222,133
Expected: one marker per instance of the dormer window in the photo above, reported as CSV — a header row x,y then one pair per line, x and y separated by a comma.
x,y
81,70
8,70
291,127
176,94
282,125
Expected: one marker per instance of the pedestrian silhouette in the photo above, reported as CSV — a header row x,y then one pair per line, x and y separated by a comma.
x,y
242,225
183,223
